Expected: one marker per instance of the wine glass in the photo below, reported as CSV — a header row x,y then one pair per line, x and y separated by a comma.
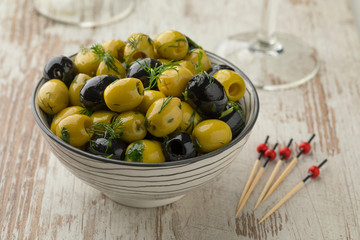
x,y
272,60
85,13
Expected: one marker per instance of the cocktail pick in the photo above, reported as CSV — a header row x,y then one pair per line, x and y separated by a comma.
x,y
284,153
304,148
270,154
261,148
313,173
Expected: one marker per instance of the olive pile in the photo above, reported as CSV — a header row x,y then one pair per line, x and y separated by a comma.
x,y
143,100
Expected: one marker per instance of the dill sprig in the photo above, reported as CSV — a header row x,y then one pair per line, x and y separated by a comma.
x,y
84,50
191,125
65,135
237,108
110,131
154,73
199,67
86,112
192,44
165,102
133,41
106,57
226,112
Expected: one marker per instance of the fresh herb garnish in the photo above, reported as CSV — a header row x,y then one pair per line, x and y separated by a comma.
x,y
226,112
133,41
84,50
237,108
154,73
86,112
135,152
197,143
47,104
191,123
110,131
165,102
192,43
199,67
213,108
170,120
185,94
106,57
110,156
65,135
211,78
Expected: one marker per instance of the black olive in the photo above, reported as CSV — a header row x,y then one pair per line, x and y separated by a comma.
x,y
141,69
192,44
179,146
62,68
101,146
206,95
92,93
215,68
233,116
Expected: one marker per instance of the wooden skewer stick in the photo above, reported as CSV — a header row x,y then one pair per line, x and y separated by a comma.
x,y
314,172
284,153
271,154
304,149
261,149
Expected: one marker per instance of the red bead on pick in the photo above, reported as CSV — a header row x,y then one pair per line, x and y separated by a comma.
x,y
305,147
314,170
262,147
270,154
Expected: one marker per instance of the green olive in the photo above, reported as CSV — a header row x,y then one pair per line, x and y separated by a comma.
x,y
146,151
102,116
115,48
163,60
172,82
87,62
138,45
150,96
171,45
72,129
198,54
190,118
75,87
63,114
232,82
53,96
189,65
116,70
124,94
134,126
164,116
211,134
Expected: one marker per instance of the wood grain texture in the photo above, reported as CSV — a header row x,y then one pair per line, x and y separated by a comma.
x,y
40,199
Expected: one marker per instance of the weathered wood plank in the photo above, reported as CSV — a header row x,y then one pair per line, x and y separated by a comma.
x,y
40,199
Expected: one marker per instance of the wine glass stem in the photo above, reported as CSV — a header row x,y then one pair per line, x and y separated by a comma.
x,y
266,39
268,21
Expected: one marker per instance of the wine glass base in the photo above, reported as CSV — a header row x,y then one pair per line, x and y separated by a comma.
x,y
287,63
85,14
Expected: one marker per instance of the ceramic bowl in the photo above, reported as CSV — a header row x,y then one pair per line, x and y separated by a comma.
x,y
147,185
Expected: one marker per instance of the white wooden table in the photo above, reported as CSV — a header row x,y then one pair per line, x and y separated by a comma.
x,y
40,199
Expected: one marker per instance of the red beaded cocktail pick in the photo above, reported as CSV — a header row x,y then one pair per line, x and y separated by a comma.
x,y
304,148
261,148
270,154
284,153
313,173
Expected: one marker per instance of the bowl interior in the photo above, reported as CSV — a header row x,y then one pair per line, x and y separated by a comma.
x,y
249,103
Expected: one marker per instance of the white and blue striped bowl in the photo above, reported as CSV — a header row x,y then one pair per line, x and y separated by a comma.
x,y
147,185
